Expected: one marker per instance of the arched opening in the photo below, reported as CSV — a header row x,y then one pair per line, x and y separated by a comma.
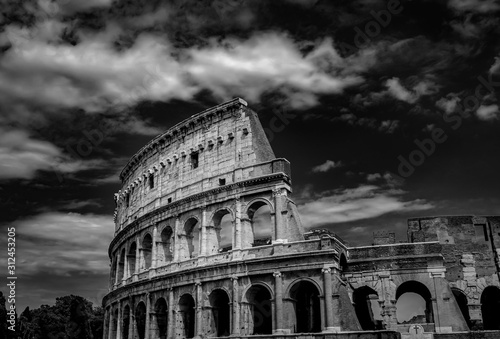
x,y
166,245
186,309
132,252
414,304
461,299
121,266
259,302
367,308
261,223
305,296
343,263
220,239
126,322
490,304
114,267
189,244
219,301
161,314
147,247
140,319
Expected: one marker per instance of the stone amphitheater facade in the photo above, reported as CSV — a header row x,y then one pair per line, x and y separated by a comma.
x,y
192,257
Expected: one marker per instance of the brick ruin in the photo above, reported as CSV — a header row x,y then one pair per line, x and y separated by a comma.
x,y
209,243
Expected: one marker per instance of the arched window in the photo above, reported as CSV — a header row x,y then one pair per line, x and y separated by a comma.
x,y
490,305
220,237
132,252
147,246
367,308
189,246
140,319
166,245
186,310
161,314
219,301
305,298
260,311
126,321
414,304
261,227
461,299
115,324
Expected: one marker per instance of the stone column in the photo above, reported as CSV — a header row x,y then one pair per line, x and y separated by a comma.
x,y
148,314
171,315
137,258
119,322
175,237
279,226
203,234
199,310
110,328
237,225
131,325
236,307
327,281
278,303
125,266
154,249
117,281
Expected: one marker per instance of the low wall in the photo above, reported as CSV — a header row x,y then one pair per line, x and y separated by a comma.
x,y
468,335
342,335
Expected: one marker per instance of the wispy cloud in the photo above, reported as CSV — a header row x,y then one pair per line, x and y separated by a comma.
x,y
363,202
487,112
326,166
479,6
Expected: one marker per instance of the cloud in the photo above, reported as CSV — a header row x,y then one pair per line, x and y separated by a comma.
x,y
495,68
448,103
395,89
478,6
56,243
267,62
487,112
69,7
363,202
326,166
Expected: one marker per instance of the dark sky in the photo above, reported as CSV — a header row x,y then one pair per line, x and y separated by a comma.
x,y
385,109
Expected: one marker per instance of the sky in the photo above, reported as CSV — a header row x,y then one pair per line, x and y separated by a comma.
x,y
386,110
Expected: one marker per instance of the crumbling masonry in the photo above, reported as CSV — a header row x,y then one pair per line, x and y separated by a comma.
x,y
194,255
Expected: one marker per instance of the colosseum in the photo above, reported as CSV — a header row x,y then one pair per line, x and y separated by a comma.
x,y
209,243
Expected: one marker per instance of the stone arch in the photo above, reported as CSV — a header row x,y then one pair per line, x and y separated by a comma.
x,y
131,258
114,267
166,239
220,315
418,296
257,310
461,299
187,316
490,304
189,239
161,322
343,263
140,319
367,309
305,296
220,236
257,227
121,266
146,249
115,324
125,322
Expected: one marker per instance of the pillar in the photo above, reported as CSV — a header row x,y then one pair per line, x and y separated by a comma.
x,y
199,310
236,307
137,257
171,315
125,266
119,322
279,222
110,328
237,225
131,325
154,250
117,282
148,314
278,303
327,281
175,236
203,234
